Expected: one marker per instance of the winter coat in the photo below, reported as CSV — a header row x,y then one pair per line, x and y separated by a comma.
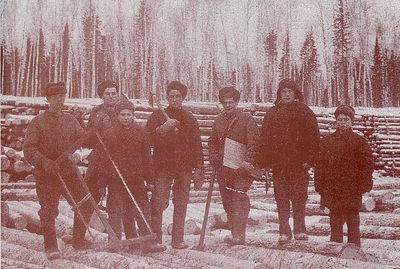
x,y
179,150
48,136
240,127
130,150
344,170
289,137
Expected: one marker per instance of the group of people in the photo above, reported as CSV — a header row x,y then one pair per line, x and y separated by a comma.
x,y
166,155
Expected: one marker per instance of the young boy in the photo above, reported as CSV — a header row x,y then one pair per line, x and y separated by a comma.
x,y
129,148
343,173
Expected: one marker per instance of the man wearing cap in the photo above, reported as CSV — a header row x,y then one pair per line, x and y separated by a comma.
x,y
289,145
101,118
48,136
233,127
128,146
177,152
343,173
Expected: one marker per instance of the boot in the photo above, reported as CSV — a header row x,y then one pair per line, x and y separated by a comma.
x,y
79,230
241,209
178,227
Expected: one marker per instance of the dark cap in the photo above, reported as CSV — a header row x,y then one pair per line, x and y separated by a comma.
x,y
289,84
104,85
176,85
229,92
123,104
53,88
346,110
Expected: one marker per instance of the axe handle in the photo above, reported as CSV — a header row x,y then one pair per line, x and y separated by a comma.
x,y
200,246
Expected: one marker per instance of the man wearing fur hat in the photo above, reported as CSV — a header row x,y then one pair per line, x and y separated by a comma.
x,y
101,119
343,173
132,157
289,145
233,128
177,152
48,136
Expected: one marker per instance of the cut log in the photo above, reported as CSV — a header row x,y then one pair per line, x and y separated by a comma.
x,y
15,264
4,213
30,178
5,177
19,166
374,219
271,258
18,185
29,213
16,252
368,204
367,231
96,223
5,162
16,221
96,259
191,227
19,194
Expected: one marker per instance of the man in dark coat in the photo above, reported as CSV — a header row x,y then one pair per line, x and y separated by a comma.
x,y
101,119
233,127
343,173
128,145
177,152
48,136
289,145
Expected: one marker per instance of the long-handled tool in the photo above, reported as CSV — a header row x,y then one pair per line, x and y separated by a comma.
x,y
201,245
124,183
114,243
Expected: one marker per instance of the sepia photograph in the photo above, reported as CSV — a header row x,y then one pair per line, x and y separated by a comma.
x,y
235,134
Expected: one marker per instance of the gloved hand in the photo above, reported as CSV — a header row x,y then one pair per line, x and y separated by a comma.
x,y
198,178
168,126
51,167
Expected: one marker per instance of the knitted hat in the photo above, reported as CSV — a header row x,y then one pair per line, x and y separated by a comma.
x,y
123,104
346,110
289,84
176,85
229,92
104,85
53,88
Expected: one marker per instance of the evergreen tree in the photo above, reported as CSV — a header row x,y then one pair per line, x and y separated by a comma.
x,y
284,65
341,45
65,53
393,74
377,77
309,68
271,54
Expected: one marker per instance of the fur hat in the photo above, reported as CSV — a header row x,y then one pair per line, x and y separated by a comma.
x,y
123,104
104,85
176,85
53,88
290,84
229,92
346,110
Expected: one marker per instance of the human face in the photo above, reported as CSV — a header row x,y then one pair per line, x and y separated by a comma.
x,y
175,99
343,122
110,96
287,95
229,104
56,102
125,117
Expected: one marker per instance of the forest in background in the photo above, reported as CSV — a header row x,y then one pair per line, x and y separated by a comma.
x,y
339,52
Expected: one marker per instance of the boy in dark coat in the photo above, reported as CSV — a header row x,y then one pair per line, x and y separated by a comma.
x,y
129,148
48,136
233,180
343,173
177,152
289,145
